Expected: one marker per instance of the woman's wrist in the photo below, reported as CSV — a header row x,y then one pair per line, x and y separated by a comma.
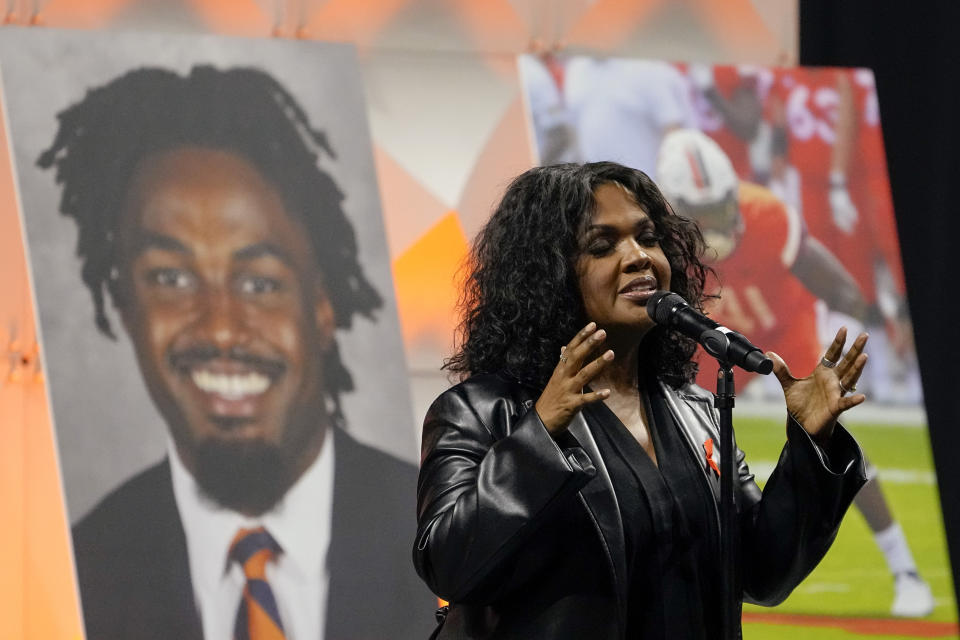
x,y
821,436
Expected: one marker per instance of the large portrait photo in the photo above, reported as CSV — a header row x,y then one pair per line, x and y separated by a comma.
x,y
219,333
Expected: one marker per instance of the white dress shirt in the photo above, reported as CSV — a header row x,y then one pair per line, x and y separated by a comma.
x,y
299,576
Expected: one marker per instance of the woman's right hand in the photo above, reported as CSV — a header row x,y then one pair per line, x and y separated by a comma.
x,y
563,396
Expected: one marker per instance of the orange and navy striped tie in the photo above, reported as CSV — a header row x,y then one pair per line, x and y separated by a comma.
x,y
258,617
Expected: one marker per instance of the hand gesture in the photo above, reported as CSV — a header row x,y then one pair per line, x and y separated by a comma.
x,y
818,400
563,396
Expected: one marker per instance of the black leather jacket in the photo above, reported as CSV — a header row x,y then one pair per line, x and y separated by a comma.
x,y
494,486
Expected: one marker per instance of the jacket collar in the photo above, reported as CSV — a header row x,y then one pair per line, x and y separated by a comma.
x,y
697,422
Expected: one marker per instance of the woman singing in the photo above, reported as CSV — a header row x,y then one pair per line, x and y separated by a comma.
x,y
569,485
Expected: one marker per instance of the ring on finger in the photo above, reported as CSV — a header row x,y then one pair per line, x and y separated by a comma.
x,y
829,364
563,357
845,390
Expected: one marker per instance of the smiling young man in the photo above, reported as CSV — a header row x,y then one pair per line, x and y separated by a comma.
x,y
226,310
204,216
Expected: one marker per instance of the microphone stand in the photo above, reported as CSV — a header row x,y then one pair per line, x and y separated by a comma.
x,y
724,402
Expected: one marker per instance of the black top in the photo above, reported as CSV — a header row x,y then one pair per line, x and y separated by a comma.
x,y
670,526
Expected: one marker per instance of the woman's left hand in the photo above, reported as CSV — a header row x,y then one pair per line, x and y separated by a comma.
x,y
818,400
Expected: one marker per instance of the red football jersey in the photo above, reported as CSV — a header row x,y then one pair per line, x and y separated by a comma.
x,y
759,295
813,104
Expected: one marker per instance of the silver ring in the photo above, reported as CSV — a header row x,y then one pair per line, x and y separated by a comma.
x,y
845,391
563,357
829,364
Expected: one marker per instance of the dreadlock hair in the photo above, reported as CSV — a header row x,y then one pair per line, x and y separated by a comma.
x,y
522,299
103,139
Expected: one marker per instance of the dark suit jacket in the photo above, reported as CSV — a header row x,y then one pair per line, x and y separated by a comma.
x,y
134,575
498,498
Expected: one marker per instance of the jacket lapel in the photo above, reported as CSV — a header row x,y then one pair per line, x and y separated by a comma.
x,y
179,612
696,430
601,502
349,586
159,601
374,591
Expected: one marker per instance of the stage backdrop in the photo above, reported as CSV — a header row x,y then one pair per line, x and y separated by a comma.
x,y
242,307
798,176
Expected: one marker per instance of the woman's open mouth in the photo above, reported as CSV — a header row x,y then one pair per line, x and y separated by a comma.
x,y
639,289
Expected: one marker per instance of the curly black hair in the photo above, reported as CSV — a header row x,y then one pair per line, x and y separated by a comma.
x,y
522,298
105,137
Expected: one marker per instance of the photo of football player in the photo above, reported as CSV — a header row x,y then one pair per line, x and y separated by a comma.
x,y
771,272
829,122
812,136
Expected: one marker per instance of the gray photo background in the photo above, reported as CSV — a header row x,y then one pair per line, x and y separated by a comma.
x,y
106,426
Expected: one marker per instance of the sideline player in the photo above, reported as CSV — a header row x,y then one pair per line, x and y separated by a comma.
x,y
772,272
621,109
544,77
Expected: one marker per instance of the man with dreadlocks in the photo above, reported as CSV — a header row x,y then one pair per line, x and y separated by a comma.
x,y
204,217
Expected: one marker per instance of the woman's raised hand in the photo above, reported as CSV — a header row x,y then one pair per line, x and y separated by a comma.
x,y
817,400
564,396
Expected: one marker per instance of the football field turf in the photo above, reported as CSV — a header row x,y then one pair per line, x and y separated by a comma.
x,y
849,594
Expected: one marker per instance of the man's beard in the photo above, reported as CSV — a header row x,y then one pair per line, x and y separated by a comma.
x,y
248,477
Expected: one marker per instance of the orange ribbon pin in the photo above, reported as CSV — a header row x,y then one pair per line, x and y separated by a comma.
x,y
708,448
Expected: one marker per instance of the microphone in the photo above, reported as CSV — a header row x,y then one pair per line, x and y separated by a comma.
x,y
726,345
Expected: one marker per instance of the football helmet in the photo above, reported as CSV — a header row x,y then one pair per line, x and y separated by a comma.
x,y
699,181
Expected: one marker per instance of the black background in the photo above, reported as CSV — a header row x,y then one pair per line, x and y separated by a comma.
x,y
914,50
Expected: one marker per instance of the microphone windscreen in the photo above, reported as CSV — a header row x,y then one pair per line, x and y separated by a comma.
x,y
660,304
